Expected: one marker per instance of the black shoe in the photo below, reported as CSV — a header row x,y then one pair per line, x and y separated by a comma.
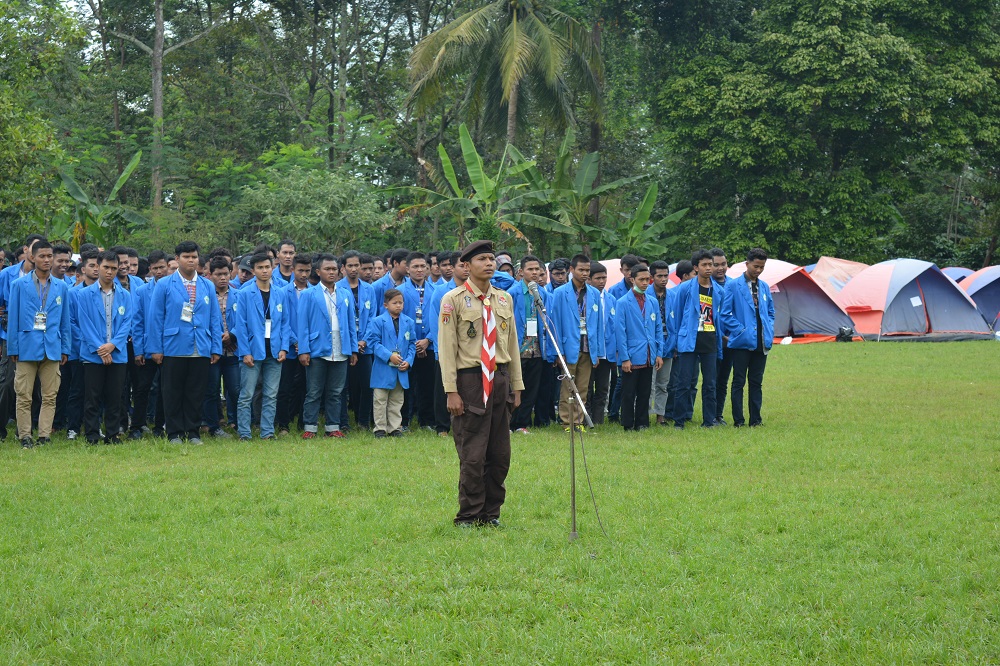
x,y
721,422
465,524
379,434
739,425
756,424
111,441
159,432
492,522
678,426
397,433
93,442
710,425
42,441
27,443
135,434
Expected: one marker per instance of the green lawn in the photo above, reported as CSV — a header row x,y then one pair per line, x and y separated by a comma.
x,y
859,525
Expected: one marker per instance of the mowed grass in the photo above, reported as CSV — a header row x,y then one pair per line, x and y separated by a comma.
x,y
860,525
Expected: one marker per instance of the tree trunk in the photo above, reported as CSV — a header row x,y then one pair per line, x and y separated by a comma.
x,y
594,209
157,152
512,114
343,54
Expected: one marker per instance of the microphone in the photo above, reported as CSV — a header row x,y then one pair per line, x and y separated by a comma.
x,y
533,290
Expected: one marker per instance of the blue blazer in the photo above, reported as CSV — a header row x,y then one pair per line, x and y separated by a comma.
x,y
292,299
618,289
411,299
165,332
249,331
140,309
364,307
565,317
23,340
521,300
739,316
277,279
665,348
73,298
610,332
93,325
382,340
7,277
314,332
434,312
639,333
670,348
688,311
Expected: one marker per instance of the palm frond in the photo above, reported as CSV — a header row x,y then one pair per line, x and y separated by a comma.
x,y
517,53
552,48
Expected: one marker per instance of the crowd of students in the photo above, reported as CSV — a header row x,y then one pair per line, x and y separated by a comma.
x,y
189,344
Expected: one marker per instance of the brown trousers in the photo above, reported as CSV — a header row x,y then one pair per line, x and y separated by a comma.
x,y
581,375
48,374
482,439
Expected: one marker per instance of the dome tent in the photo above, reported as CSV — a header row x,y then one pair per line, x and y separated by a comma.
x,y
908,299
831,274
984,288
801,308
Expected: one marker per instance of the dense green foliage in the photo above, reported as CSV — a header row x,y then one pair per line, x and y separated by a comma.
x,y
864,129
855,528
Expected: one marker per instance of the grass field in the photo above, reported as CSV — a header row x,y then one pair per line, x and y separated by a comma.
x,y
860,525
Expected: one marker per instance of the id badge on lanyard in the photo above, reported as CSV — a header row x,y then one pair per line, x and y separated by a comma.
x,y
532,328
267,329
583,325
187,312
40,318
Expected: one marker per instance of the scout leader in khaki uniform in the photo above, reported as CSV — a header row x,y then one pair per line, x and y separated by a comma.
x,y
482,379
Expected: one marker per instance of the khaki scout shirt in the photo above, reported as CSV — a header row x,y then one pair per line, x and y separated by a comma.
x,y
462,314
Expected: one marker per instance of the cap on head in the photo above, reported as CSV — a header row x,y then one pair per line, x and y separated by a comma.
x,y
477,248
245,263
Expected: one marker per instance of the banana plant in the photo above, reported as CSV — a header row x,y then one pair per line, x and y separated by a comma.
x,y
571,195
93,221
636,235
490,203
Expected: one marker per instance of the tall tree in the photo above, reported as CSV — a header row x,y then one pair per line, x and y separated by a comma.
x,y
514,52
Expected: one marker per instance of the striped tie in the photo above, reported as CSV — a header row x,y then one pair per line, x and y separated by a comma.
x,y
488,354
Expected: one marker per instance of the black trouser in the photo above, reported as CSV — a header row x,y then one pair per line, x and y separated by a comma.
x,y
359,392
145,376
102,385
748,367
128,386
600,387
7,396
62,397
615,404
182,382
291,393
636,386
531,373
74,402
421,392
442,419
722,372
672,388
547,386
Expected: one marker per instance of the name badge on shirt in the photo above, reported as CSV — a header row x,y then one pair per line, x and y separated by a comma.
x,y
583,326
40,318
267,328
420,316
187,313
532,328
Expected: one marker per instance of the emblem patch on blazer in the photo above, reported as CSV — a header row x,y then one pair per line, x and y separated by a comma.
x,y
206,300
121,309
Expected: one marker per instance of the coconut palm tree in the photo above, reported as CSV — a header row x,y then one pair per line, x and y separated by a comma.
x,y
513,51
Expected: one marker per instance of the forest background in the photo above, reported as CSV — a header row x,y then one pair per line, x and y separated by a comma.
x,y
863,129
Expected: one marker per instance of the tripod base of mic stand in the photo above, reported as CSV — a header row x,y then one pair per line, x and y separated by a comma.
x,y
573,536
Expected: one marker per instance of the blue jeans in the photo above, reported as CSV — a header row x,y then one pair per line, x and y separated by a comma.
x,y
684,407
271,371
325,381
227,370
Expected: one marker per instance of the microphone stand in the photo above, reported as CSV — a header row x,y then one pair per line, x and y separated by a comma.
x,y
573,399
